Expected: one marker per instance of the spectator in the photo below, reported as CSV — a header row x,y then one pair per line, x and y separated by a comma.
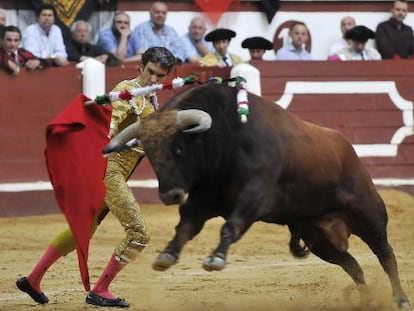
x,y
195,45
12,57
358,50
221,38
44,39
118,39
3,22
156,33
3,17
257,47
299,35
395,39
80,49
347,23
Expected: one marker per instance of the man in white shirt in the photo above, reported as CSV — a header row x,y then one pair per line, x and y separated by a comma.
x,y
44,39
347,23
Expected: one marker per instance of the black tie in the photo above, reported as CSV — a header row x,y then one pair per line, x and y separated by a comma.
x,y
153,101
225,61
362,56
15,58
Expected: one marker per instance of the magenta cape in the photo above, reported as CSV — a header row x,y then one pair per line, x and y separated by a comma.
x,y
76,167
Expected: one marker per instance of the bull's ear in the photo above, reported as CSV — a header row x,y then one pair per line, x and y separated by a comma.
x,y
198,119
125,136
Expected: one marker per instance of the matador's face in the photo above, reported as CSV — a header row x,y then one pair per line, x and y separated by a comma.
x,y
152,73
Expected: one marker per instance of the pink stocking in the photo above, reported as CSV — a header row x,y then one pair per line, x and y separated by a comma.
x,y
48,259
102,285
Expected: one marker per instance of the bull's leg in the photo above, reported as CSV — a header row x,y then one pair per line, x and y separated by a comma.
x,y
378,242
326,251
186,229
231,231
296,249
318,244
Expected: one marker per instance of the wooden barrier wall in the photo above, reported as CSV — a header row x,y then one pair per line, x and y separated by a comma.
x,y
370,102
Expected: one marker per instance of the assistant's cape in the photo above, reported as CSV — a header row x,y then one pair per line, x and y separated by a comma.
x,y
74,143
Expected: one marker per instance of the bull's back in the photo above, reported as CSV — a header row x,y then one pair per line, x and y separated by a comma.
x,y
318,170
301,165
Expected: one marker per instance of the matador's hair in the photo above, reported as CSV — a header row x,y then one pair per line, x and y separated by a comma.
x,y
159,55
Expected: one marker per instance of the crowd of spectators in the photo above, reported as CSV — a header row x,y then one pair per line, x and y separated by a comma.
x,y
120,43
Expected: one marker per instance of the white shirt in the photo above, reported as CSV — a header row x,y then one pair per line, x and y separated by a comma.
x,y
41,45
350,54
337,46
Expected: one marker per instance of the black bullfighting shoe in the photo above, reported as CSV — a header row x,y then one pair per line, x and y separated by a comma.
x,y
24,285
94,299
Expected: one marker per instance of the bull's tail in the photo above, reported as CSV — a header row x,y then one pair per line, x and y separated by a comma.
x,y
296,249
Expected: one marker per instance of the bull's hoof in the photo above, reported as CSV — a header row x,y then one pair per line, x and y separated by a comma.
x,y
403,304
359,296
214,263
164,261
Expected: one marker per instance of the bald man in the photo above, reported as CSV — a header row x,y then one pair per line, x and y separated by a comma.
x,y
155,32
347,23
195,45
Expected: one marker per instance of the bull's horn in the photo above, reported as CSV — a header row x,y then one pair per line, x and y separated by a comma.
x,y
199,118
118,142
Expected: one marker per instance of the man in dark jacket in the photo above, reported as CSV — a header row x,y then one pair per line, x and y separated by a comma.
x,y
80,49
394,39
12,57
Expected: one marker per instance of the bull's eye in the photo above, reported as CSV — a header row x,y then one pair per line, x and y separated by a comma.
x,y
178,151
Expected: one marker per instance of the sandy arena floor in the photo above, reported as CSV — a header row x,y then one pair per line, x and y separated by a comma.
x,y
260,275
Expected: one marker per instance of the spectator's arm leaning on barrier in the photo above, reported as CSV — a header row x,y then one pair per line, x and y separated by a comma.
x,y
118,39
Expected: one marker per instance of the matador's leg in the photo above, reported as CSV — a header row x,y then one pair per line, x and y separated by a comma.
x,y
123,205
121,202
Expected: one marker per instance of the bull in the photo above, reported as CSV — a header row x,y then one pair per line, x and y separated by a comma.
x,y
275,168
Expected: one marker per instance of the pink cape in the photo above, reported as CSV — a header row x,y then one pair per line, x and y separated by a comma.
x,y
76,167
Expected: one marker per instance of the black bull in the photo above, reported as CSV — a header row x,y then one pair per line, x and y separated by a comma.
x,y
275,168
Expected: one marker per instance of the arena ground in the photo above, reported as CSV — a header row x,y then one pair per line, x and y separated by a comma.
x,y
260,275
